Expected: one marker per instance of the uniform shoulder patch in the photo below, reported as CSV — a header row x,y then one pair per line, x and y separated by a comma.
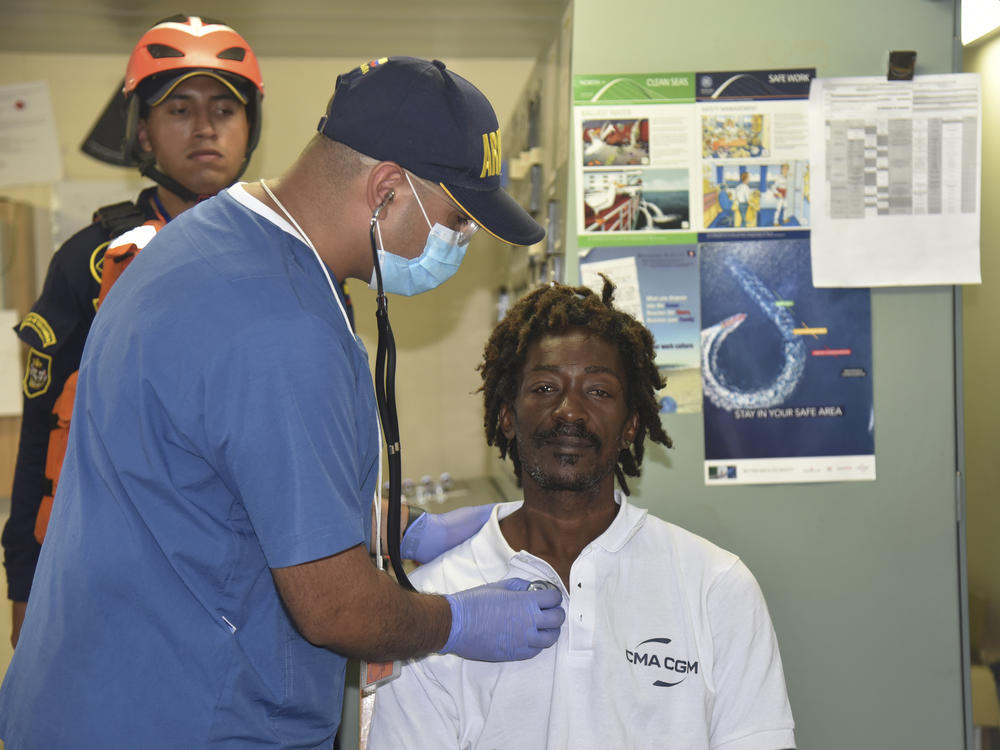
x,y
38,375
97,261
41,326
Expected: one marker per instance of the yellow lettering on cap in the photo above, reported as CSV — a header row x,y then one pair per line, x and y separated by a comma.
x,y
495,144
486,155
491,154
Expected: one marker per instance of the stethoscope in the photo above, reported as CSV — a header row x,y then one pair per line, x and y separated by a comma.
x,y
385,389
385,395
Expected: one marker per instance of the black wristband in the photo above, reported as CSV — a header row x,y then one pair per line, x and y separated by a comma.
x,y
414,514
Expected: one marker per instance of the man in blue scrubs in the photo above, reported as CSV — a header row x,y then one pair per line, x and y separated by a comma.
x,y
206,570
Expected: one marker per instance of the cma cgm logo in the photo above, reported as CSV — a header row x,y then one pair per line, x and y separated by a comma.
x,y
658,661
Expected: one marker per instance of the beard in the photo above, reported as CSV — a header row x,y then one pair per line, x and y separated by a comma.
x,y
565,478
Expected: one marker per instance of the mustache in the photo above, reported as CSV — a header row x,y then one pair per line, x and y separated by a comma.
x,y
565,429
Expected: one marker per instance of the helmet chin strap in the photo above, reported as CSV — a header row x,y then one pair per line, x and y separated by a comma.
x,y
169,183
188,196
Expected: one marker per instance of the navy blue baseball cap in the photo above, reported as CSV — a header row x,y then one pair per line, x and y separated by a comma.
x,y
436,124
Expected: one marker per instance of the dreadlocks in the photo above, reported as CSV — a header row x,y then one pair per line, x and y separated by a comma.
x,y
554,308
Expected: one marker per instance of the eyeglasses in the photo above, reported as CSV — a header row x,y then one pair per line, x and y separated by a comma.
x,y
463,225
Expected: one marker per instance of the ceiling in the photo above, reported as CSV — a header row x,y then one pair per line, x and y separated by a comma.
x,y
295,28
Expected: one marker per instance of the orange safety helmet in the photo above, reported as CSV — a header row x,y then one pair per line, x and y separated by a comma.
x,y
173,50
185,44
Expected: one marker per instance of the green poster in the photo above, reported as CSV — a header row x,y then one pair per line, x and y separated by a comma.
x,y
634,88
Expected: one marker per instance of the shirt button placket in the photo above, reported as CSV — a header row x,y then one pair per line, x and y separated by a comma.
x,y
581,604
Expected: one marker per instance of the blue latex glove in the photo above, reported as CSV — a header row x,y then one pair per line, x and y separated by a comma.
x,y
503,621
434,533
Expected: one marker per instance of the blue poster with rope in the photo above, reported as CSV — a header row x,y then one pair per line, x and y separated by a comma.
x,y
786,367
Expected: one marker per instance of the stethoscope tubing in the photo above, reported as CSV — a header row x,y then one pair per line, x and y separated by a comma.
x,y
385,396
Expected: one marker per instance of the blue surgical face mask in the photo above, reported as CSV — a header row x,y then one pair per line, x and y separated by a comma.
x,y
440,259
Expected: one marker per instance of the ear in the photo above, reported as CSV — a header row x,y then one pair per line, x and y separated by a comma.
x,y
506,419
384,178
142,136
631,428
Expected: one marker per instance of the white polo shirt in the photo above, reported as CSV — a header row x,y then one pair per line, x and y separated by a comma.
x,y
667,643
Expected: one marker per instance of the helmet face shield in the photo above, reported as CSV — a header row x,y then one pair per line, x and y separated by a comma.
x,y
106,139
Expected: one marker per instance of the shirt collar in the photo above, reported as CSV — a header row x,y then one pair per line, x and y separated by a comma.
x,y
496,559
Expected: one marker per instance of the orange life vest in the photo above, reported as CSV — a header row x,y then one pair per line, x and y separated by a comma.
x,y
116,259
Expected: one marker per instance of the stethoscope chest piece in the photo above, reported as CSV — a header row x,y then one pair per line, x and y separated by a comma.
x,y
541,586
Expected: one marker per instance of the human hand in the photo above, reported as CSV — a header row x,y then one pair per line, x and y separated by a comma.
x,y
434,533
503,621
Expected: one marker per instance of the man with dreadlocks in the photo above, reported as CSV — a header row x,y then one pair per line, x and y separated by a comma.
x,y
667,640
